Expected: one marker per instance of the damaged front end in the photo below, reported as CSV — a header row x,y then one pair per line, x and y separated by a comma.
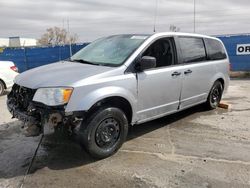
x,y
38,117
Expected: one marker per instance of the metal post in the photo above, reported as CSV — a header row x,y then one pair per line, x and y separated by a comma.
x,y
25,56
70,50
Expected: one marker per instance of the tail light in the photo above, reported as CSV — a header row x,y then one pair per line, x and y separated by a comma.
x,y
230,67
14,68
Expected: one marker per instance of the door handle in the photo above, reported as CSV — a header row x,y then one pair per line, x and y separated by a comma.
x,y
176,73
188,71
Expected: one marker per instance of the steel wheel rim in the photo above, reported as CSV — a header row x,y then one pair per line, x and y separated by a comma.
x,y
107,133
215,96
1,87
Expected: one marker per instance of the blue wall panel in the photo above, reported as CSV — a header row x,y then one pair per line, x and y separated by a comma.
x,y
27,58
31,57
15,55
238,62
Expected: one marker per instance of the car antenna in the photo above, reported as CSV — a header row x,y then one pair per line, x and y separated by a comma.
x,y
155,15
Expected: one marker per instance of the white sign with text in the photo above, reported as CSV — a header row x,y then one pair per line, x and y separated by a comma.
x,y
243,49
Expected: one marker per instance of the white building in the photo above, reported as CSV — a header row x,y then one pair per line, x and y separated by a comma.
x,y
17,42
4,42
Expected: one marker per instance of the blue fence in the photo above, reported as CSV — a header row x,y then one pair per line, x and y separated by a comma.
x,y
238,43
31,57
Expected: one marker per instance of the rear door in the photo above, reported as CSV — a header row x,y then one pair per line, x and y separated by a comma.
x,y
197,71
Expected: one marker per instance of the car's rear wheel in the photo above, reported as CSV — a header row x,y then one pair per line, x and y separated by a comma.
x,y
2,88
104,132
215,95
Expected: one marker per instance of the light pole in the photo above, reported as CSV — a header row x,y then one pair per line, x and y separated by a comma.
x,y
194,15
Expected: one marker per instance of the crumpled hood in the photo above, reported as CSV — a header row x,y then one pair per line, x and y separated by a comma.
x,y
58,74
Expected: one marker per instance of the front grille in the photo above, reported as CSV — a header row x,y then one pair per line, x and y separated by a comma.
x,y
21,96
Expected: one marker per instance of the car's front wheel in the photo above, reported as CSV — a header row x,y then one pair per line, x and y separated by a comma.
x,y
104,131
2,88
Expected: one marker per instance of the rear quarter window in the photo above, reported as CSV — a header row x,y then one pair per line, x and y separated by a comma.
x,y
192,49
215,50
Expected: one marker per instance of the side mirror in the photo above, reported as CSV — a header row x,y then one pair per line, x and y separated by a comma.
x,y
146,62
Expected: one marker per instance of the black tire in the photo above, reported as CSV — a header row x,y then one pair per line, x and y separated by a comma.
x,y
2,88
104,132
214,96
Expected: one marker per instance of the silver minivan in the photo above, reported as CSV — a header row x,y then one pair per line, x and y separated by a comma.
x,y
118,81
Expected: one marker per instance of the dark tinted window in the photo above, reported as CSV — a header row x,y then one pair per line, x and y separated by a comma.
x,y
215,49
163,52
192,49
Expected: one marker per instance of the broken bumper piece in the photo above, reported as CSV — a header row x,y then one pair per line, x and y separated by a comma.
x,y
32,113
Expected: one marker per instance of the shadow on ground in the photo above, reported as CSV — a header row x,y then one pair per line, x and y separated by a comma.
x,y
58,152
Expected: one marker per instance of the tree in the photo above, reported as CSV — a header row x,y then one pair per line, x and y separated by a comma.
x,y
57,36
174,28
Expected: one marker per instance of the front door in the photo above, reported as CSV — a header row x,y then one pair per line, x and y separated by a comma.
x,y
159,88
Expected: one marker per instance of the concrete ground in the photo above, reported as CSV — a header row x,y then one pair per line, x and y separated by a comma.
x,y
194,148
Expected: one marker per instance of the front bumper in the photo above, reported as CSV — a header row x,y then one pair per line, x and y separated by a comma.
x,y
22,107
22,116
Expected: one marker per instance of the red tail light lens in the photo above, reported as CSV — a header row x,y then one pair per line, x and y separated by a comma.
x,y
230,67
14,68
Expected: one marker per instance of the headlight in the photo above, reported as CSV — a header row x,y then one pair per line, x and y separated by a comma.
x,y
53,96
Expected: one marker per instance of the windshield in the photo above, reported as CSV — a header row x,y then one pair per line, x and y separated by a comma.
x,y
109,51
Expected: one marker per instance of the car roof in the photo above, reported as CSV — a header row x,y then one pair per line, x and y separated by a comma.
x,y
165,34
181,34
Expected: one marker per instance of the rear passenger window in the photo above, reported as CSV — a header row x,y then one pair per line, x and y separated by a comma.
x,y
215,49
192,49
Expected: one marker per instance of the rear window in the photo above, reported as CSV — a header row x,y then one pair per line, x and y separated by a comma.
x,y
215,50
193,49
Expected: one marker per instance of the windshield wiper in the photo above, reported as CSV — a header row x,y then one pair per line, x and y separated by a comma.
x,y
91,63
82,61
